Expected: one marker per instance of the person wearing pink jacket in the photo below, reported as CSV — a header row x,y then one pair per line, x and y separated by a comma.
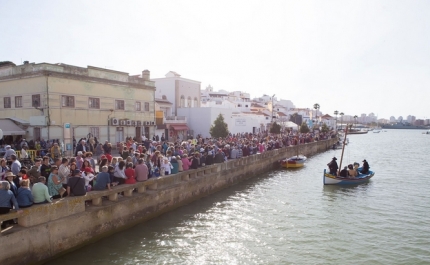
x,y
185,162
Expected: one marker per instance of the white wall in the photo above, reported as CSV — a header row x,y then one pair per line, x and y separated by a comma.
x,y
166,86
201,119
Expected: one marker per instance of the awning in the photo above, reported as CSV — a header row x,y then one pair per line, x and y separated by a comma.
x,y
18,120
10,128
179,127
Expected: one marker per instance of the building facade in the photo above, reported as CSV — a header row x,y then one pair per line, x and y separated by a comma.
x,y
173,93
59,101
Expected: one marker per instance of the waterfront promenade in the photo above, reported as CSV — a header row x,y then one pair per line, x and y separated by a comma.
x,y
45,231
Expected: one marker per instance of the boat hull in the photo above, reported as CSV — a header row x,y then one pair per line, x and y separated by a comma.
x,y
359,132
294,162
333,180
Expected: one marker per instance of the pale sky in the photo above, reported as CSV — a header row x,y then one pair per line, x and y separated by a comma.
x,y
352,56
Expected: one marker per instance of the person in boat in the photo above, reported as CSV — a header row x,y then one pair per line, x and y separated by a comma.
x,y
344,172
333,166
365,168
356,166
351,171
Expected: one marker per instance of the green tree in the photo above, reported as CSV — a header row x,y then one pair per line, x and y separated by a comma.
x,y
324,128
316,107
275,128
219,128
304,128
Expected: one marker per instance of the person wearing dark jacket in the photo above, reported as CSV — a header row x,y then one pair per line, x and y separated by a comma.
x,y
333,166
344,172
365,168
195,161
209,158
219,157
81,147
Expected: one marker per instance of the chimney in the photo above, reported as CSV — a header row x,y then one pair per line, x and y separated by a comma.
x,y
145,75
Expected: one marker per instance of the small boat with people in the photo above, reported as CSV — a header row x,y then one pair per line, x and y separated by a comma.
x,y
294,161
349,175
426,132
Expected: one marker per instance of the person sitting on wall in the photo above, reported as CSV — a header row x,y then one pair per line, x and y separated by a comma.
x,y
130,174
24,196
7,200
219,157
141,170
76,184
103,180
40,191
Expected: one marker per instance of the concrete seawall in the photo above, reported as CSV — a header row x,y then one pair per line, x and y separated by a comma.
x,y
45,231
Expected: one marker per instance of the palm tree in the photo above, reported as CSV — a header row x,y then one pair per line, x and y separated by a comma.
x,y
316,107
341,116
355,118
335,113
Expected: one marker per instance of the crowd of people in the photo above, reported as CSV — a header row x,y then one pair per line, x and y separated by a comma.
x,y
97,166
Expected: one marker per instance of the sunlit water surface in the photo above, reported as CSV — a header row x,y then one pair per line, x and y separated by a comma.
x,y
290,217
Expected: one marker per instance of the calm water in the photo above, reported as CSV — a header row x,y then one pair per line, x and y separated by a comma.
x,y
290,217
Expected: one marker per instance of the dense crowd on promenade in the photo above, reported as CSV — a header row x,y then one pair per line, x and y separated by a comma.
x,y
99,166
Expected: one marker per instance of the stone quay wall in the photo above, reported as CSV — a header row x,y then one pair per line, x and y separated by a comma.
x,y
49,230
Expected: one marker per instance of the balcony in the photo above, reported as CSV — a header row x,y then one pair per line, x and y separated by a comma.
x,y
175,119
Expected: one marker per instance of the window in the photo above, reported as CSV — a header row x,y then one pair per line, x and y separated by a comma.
x,y
94,103
195,102
189,102
18,102
239,105
182,102
163,97
6,101
146,106
119,104
68,101
138,106
35,101
95,132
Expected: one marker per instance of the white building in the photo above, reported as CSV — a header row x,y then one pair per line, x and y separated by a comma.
x,y
172,93
181,92
201,119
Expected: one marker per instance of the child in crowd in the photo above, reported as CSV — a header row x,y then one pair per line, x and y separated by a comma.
x,y
88,176
130,174
166,166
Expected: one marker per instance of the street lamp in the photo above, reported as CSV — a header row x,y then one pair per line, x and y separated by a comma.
x,y
273,107
108,125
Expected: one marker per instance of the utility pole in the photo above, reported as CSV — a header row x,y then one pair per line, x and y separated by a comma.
x,y
273,108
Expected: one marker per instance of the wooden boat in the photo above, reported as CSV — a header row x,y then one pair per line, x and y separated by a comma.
x,y
357,132
334,180
330,179
294,162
